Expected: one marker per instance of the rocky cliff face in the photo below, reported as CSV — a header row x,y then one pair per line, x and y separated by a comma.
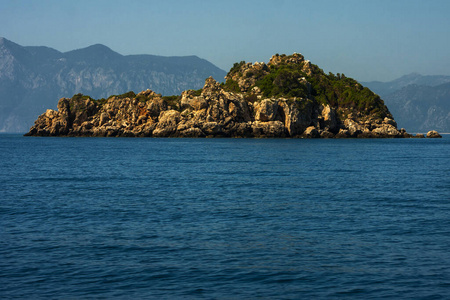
x,y
288,97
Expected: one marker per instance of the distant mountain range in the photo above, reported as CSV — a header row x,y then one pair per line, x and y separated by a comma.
x,y
33,79
418,103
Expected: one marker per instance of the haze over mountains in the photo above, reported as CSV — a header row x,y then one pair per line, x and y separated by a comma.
x,y
33,79
418,103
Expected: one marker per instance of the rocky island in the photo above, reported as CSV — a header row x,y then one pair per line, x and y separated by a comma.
x,y
287,97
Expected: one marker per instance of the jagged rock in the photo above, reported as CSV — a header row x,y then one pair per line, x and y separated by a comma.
x,y
212,129
311,132
296,121
148,93
326,134
295,58
433,134
390,122
329,118
104,118
266,110
193,102
307,67
256,90
353,127
343,133
268,129
51,114
192,133
167,125
386,130
404,134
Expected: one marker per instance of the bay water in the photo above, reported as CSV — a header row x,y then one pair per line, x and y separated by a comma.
x,y
148,218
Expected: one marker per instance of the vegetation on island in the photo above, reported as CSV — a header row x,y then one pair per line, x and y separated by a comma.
x,y
301,79
283,81
341,91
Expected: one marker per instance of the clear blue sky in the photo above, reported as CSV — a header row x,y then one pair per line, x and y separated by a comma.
x,y
365,39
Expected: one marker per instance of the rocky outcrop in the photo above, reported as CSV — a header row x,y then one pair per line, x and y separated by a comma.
x,y
433,134
216,111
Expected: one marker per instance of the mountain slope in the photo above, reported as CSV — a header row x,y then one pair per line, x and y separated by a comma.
x,y
33,78
418,103
385,88
421,108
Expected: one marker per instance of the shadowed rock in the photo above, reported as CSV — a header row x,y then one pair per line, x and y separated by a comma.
x,y
433,134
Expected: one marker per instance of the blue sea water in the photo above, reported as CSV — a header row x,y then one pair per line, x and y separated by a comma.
x,y
129,218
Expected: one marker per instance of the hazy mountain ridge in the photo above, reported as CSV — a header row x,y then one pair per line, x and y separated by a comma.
x,y
421,108
33,78
417,102
389,87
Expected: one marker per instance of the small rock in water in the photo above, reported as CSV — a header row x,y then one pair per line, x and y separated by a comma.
x,y
433,134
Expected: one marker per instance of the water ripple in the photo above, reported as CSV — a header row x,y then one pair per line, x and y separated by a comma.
x,y
224,218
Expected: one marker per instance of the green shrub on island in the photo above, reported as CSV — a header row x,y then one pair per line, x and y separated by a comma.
x,y
173,102
231,86
339,90
100,102
80,96
236,67
129,94
78,103
197,92
283,81
250,97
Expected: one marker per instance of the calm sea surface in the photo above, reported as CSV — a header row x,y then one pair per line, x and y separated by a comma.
x,y
147,218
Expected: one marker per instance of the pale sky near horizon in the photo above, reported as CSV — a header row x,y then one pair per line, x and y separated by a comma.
x,y
364,39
